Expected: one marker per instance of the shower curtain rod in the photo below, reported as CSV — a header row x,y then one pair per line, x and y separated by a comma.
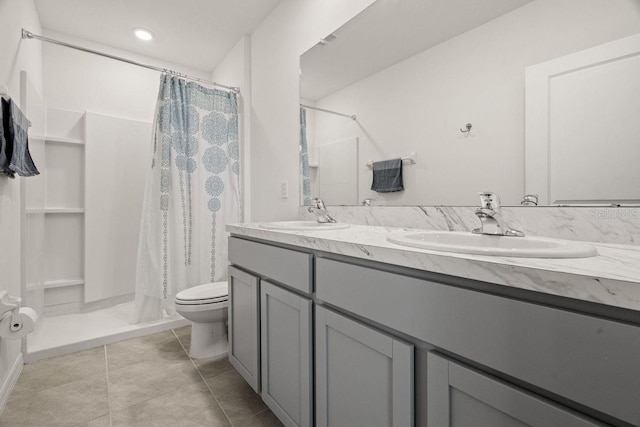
x,y
29,35
351,116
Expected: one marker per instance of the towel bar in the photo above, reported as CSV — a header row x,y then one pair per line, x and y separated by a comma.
x,y
411,158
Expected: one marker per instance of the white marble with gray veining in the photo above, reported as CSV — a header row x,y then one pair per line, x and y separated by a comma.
x,y
619,225
611,278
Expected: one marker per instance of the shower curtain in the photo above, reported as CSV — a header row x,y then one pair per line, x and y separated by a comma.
x,y
192,192
304,159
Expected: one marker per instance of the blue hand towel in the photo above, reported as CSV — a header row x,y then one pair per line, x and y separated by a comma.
x,y
5,148
387,176
16,126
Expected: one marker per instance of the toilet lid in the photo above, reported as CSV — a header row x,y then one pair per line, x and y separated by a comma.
x,y
204,294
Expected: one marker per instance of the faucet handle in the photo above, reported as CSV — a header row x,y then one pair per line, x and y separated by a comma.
x,y
530,200
489,200
318,203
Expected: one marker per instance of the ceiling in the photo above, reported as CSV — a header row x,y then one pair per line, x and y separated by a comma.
x,y
387,32
194,33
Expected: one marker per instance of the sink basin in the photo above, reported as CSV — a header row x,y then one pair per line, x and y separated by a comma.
x,y
480,244
302,226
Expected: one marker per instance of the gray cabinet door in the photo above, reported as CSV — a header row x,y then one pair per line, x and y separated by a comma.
x,y
363,377
244,325
286,354
459,396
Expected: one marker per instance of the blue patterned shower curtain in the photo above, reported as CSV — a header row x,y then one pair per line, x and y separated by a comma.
x,y
192,192
304,159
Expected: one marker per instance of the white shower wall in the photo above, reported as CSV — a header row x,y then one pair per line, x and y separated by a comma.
x,y
96,169
117,155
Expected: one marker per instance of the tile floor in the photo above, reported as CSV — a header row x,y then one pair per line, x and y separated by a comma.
x,y
147,381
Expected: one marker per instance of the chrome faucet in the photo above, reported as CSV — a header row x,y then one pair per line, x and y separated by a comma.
x,y
320,211
367,202
490,214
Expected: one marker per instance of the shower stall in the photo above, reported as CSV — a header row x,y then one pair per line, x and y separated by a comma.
x,y
81,227
81,221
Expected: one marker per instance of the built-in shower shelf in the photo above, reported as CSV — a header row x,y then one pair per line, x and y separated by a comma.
x,y
58,139
54,210
62,283
63,210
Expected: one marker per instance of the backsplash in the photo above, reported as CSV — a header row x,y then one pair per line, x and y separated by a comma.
x,y
594,224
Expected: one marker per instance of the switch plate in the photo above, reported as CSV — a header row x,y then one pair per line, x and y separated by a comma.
x,y
284,190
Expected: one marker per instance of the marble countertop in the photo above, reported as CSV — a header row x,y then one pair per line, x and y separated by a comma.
x,y
612,277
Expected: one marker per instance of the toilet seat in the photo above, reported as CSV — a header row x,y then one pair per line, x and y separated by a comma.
x,y
209,293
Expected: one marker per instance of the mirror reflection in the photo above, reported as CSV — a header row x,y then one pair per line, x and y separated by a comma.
x,y
438,87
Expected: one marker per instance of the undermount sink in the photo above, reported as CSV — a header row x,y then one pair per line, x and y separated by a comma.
x,y
302,225
481,244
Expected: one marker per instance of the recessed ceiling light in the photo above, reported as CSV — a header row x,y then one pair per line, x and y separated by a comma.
x,y
142,34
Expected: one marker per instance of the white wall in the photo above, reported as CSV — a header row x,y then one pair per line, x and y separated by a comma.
x,y
276,45
478,77
16,54
79,81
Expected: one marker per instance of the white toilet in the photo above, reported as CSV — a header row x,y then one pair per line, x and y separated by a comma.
x,y
206,307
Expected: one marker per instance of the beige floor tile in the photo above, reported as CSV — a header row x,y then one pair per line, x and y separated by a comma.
x,y
236,398
160,346
149,379
210,368
151,382
188,406
66,405
57,371
184,335
104,421
263,419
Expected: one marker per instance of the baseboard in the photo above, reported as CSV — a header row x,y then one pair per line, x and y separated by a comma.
x,y
9,384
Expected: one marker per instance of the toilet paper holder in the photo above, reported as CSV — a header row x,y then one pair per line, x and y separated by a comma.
x,y
9,311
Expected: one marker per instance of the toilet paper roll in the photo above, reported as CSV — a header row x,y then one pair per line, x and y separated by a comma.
x,y
28,318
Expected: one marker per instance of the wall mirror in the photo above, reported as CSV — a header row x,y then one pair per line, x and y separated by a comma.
x,y
442,82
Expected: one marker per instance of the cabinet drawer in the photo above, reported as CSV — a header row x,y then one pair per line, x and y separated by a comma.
x,y
592,361
291,268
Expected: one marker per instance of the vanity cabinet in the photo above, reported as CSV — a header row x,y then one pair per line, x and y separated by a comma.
x,y
395,346
363,377
460,396
270,326
587,361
